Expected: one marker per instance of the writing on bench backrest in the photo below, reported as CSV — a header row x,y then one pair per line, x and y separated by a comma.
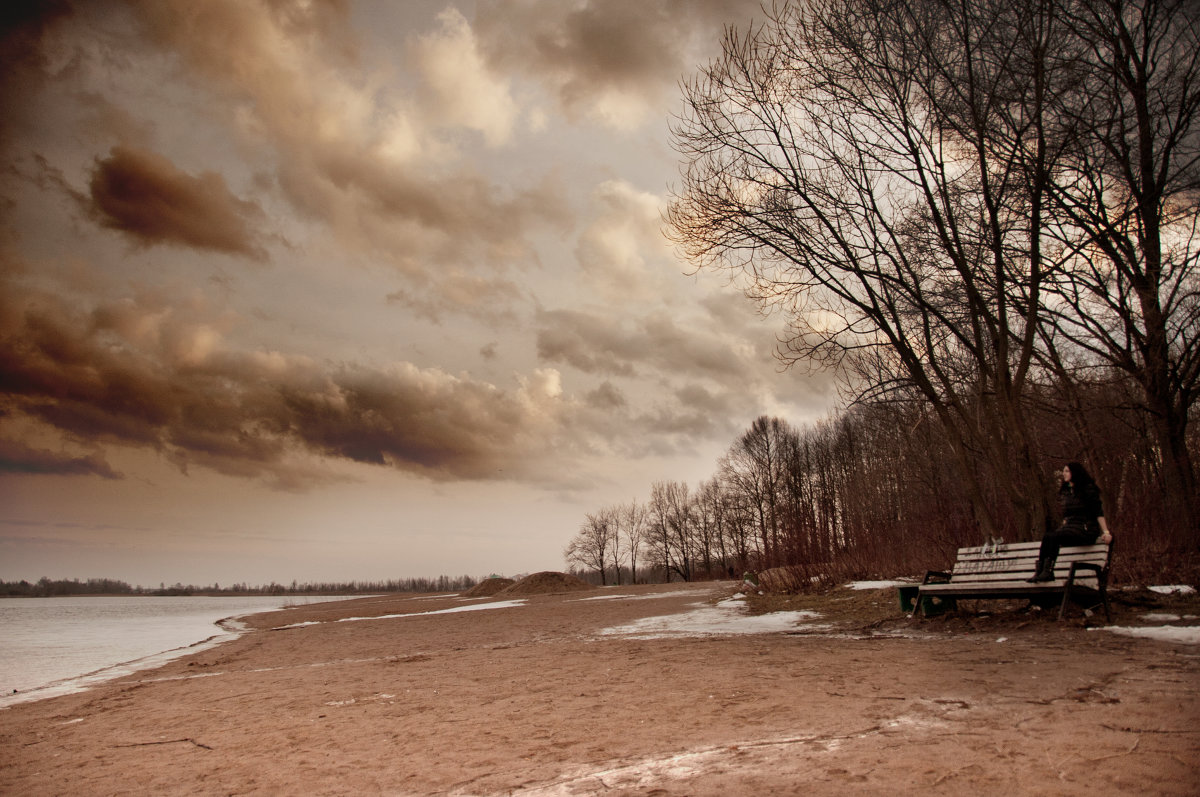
x,y
992,564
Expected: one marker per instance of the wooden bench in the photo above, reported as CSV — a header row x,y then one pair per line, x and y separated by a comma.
x,y
1002,571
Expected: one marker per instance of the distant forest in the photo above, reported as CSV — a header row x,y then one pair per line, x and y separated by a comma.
x,y
876,492
45,587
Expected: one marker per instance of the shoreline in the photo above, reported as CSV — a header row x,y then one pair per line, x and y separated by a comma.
x,y
544,697
218,630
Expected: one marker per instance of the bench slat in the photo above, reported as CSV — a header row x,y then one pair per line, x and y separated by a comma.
x,y
1022,547
996,578
1010,586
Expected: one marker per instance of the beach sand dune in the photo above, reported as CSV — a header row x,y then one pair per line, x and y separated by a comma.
x,y
539,695
488,587
547,583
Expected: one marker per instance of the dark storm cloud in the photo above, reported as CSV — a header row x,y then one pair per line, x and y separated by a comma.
x,y
143,195
23,24
16,457
97,380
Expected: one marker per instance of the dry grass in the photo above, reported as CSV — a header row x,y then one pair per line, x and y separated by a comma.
x,y
878,611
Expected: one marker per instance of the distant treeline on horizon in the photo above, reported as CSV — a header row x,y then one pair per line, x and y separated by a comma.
x,y
46,587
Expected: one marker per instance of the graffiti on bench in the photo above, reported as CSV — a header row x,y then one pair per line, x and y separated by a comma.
x,y
990,561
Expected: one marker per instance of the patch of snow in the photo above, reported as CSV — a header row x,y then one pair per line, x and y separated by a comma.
x,y
1173,589
727,618
879,584
652,596
453,610
1181,635
473,608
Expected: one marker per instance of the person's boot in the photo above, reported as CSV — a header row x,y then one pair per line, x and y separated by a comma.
x,y
1045,572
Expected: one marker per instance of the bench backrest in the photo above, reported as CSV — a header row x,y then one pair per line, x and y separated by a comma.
x,y
1006,562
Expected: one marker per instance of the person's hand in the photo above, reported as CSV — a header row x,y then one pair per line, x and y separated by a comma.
x,y
1106,538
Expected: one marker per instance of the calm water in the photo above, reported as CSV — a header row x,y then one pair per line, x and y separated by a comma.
x,y
51,646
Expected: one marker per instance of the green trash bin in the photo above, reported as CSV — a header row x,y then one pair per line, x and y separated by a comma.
x,y
930,605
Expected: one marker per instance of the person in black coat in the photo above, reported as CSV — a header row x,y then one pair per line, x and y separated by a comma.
x,y
1083,519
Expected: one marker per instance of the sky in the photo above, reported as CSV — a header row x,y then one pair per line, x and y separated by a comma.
x,y
324,290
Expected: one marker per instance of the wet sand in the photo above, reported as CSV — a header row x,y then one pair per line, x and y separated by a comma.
x,y
530,699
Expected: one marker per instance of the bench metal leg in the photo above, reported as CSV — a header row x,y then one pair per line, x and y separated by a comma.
x,y
1062,610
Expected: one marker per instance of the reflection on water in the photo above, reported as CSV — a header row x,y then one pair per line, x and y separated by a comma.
x,y
46,643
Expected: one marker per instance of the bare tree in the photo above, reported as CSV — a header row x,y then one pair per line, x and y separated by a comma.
x,y
1126,202
631,525
672,527
754,466
707,508
589,548
879,170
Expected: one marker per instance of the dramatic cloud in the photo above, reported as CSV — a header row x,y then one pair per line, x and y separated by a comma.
x,y
455,293
472,329
622,250
602,344
463,90
355,154
615,61
144,196
16,457
138,377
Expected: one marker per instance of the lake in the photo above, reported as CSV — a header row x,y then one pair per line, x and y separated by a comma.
x,y
52,646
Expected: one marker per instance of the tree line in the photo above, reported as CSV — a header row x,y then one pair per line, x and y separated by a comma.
x,y
983,215
46,587
874,492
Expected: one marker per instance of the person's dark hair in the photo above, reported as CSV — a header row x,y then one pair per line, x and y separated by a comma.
x,y
1079,475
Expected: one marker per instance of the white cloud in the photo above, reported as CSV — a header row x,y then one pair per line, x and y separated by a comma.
x,y
464,91
622,250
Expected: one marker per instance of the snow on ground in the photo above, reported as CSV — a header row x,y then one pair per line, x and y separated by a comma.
x,y
880,584
727,618
1165,617
1173,589
651,596
1178,634
453,610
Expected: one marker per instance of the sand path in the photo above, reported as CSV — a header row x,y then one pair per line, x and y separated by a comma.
x,y
529,699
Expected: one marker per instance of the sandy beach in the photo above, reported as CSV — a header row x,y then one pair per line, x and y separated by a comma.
x,y
664,690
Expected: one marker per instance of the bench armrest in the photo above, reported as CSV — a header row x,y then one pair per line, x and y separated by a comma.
x,y
1087,566
1101,571
930,575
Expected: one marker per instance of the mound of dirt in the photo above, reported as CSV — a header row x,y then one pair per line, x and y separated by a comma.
x,y
546,583
488,587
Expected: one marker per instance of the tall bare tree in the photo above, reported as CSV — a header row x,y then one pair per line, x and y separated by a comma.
x,y
631,526
1126,200
886,171
591,546
754,466
672,527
